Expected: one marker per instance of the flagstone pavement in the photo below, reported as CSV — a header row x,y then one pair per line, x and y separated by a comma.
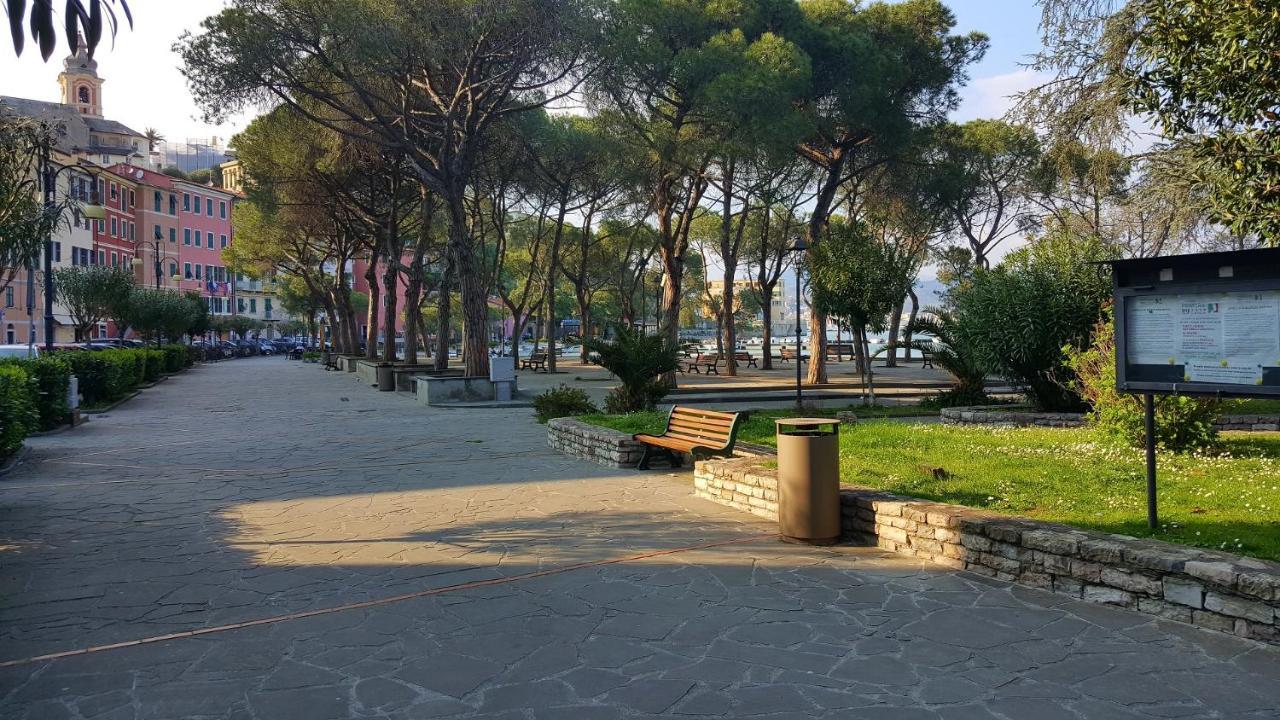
x,y
448,564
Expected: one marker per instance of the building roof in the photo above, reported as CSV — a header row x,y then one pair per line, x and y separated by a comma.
x,y
142,176
75,131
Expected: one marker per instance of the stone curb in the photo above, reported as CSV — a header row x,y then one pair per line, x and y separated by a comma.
x,y
1209,589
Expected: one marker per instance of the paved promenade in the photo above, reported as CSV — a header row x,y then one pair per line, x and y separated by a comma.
x,y
261,539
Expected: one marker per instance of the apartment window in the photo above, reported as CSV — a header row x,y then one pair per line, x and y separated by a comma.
x,y
197,204
173,269
173,204
57,252
132,236
173,235
199,267
208,207
102,257
209,240
186,236
115,191
115,260
222,241
132,201
8,334
157,233
124,260
113,227
186,270
186,202
222,209
240,305
253,305
266,304
8,297
159,201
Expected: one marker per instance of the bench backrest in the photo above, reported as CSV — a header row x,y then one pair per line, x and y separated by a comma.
x,y
538,356
709,428
742,356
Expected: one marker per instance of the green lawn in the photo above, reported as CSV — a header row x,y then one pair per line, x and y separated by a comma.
x,y
1228,500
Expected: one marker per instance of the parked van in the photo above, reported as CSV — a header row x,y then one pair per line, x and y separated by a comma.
x,y
19,351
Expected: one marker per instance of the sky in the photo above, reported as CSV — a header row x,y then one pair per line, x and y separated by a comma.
x,y
144,87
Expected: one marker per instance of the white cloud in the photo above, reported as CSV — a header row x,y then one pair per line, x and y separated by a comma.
x,y
992,96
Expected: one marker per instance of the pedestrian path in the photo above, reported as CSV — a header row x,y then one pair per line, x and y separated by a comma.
x,y
261,539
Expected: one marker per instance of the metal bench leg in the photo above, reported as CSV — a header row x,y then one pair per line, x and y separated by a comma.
x,y
644,458
673,458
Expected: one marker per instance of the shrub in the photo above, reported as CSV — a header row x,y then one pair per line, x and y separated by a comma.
x,y
638,361
51,376
176,357
951,353
1182,423
97,378
1018,317
17,407
153,362
311,356
957,397
127,374
562,401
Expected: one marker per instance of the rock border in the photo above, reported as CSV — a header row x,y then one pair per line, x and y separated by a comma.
x,y
608,447
998,415
1209,589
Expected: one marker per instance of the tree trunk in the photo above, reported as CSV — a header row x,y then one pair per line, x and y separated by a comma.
x,y
911,320
444,312
390,281
584,314
475,311
412,318
729,255
766,343
895,324
553,259
371,322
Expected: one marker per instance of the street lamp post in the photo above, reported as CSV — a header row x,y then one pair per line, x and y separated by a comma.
x,y
92,211
799,246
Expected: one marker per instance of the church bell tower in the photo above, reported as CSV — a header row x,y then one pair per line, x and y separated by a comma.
x,y
81,86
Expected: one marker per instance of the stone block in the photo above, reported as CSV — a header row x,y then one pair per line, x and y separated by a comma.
x,y
1163,609
1183,592
1213,621
1222,574
1030,578
975,542
1108,595
1001,563
1239,607
1262,586
1154,556
891,533
1088,571
1058,542
1258,631
1067,586
1004,532
945,535
1097,550
1133,582
1057,564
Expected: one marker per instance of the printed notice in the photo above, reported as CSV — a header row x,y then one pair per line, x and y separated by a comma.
x,y
1251,328
1150,329
1200,330
1224,375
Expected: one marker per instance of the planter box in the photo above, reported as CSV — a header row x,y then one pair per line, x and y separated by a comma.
x,y
451,389
611,448
367,370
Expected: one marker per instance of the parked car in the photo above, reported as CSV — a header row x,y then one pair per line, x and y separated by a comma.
x,y
266,347
19,351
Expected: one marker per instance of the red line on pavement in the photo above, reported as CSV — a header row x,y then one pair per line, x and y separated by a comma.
x,y
380,601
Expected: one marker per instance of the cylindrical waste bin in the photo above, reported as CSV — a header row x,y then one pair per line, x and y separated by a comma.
x,y
809,480
386,377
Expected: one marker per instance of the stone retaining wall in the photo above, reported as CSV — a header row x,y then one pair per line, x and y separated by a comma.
x,y
611,448
1209,589
996,415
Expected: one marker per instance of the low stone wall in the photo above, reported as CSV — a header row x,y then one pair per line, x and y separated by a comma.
x,y
367,371
1209,589
611,448
446,389
997,415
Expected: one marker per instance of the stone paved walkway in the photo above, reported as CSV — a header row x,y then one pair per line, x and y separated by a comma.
x,y
261,487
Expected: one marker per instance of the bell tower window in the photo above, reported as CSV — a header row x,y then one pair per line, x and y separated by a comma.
x,y
84,94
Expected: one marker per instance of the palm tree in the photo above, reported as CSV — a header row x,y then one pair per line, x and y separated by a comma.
x,y
948,350
153,136
80,16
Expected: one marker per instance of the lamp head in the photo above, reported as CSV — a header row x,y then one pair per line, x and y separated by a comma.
x,y
799,245
93,211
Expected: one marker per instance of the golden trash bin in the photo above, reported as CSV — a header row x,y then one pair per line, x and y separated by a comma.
x,y
809,480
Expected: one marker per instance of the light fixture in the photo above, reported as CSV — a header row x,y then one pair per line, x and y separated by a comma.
x,y
93,212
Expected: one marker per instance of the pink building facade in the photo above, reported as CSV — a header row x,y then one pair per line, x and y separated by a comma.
x,y
205,231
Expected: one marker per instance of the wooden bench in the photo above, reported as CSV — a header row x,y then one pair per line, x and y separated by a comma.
x,y
535,362
927,359
700,433
787,355
839,350
712,364
744,357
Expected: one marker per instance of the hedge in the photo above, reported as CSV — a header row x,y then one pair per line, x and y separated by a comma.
x,y
18,415
51,379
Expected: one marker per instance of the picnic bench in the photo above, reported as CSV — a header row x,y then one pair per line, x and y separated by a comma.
x,y
536,361
700,433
